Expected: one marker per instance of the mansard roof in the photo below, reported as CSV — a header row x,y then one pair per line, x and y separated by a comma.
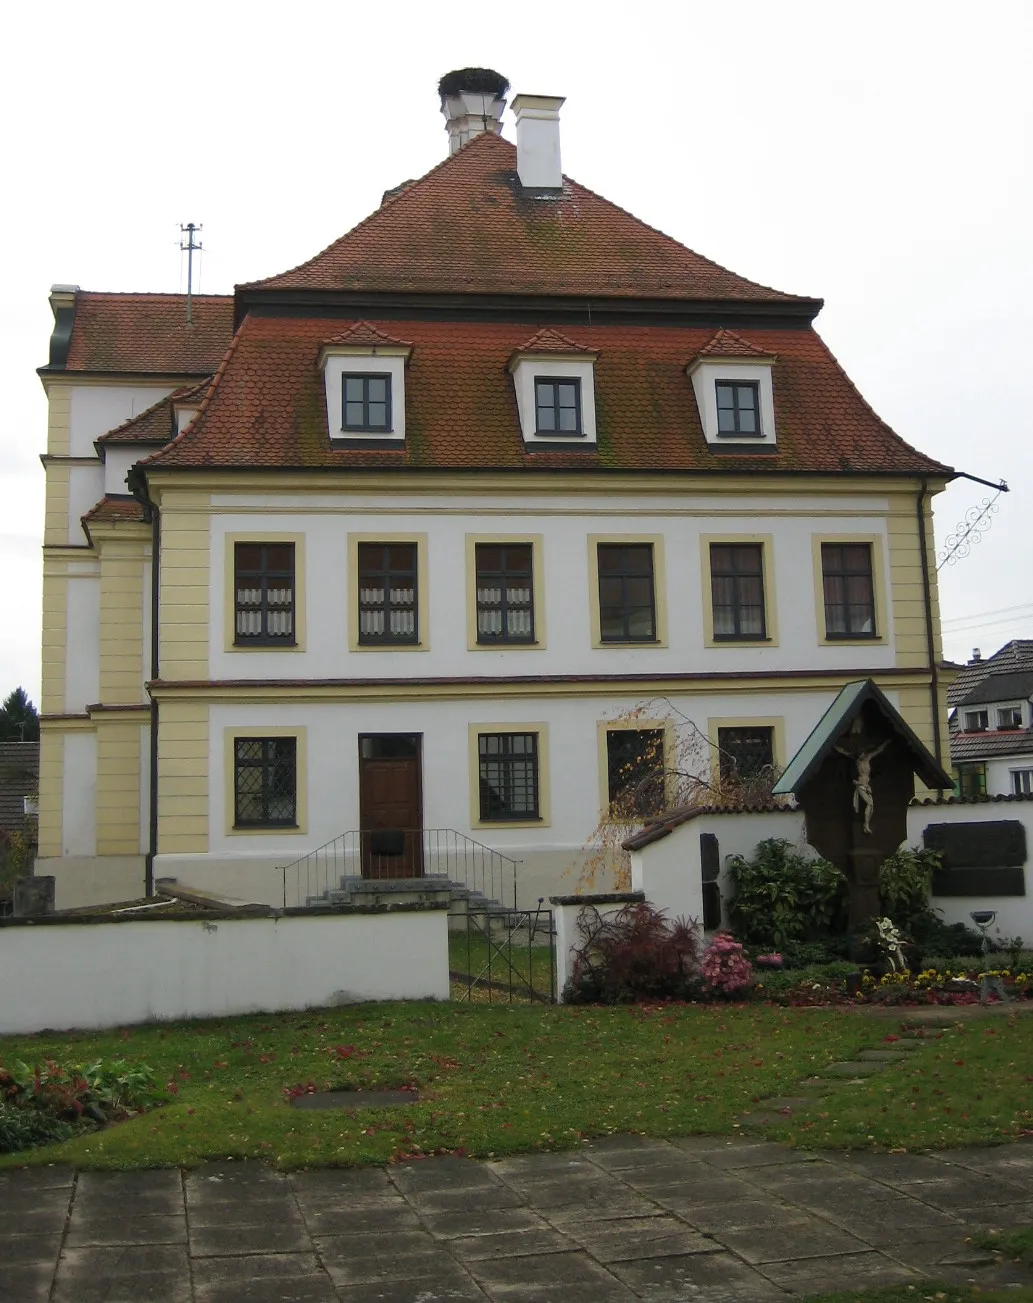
x,y
726,343
469,227
267,406
148,334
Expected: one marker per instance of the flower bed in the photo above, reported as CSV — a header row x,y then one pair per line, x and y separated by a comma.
x,y
957,984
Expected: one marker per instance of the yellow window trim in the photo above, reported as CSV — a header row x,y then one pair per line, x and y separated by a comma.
x,y
659,588
230,735
875,541
537,545
767,544
386,536
544,803
633,724
230,593
778,742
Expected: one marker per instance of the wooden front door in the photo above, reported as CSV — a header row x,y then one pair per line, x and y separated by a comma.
x,y
391,805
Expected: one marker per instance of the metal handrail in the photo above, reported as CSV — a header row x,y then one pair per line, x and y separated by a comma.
x,y
420,853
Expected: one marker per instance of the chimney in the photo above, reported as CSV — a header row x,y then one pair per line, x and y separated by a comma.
x,y
471,101
538,141
977,656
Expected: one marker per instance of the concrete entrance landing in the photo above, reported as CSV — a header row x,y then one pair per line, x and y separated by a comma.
x,y
628,1218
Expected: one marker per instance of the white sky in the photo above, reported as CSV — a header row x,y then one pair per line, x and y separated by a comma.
x,y
876,154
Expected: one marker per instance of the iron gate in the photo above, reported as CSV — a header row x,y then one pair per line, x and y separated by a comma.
x,y
503,956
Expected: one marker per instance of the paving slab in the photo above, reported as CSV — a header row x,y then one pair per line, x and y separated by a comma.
x,y
403,1291
107,1228
393,1217
263,1278
853,1271
26,1283
147,1274
640,1237
716,1277
524,1243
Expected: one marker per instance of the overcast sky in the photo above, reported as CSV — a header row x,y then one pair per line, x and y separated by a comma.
x,y
874,154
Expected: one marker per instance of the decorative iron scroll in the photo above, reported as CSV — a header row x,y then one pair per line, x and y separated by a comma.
x,y
970,530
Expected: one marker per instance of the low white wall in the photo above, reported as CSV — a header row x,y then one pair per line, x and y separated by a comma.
x,y
91,975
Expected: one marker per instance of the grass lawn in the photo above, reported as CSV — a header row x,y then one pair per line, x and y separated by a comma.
x,y
502,973
927,1294
505,1079
1016,1243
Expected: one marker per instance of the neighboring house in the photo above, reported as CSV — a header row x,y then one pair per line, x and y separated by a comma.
x,y
19,784
480,500
991,723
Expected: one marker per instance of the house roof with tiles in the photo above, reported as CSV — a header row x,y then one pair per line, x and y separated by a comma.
x,y
1014,656
141,334
469,227
158,423
267,406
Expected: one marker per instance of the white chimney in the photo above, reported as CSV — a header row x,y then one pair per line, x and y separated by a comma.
x,y
472,102
538,141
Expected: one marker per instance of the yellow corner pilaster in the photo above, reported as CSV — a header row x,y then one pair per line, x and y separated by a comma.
x,y
183,779
118,787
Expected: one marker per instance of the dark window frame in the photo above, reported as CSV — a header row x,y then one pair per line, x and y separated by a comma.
x,y
1011,711
502,579
491,799
735,386
366,427
384,573
624,575
261,578
267,763
971,778
735,576
982,721
555,407
728,766
1021,782
618,780
843,575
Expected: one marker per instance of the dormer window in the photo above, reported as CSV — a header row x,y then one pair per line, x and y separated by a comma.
x,y
738,407
364,376
554,380
976,721
367,403
1009,717
732,381
557,405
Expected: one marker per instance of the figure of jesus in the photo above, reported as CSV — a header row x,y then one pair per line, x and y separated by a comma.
x,y
863,781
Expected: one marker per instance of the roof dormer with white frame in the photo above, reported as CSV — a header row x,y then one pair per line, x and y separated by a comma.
x,y
364,374
554,378
734,393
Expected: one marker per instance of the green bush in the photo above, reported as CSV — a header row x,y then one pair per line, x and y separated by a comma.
x,y
782,895
27,1128
810,954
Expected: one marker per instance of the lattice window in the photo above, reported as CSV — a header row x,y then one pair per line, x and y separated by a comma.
x,y
265,782
737,590
505,592
846,570
388,593
745,753
508,773
635,771
263,579
627,605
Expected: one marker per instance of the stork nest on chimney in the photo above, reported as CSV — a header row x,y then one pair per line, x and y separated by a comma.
x,y
479,81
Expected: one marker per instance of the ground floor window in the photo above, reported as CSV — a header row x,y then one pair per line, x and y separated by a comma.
x,y
970,779
508,776
1022,782
635,771
745,753
265,782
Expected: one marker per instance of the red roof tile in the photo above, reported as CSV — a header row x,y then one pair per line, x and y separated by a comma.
x,y
548,340
267,408
114,508
726,343
363,335
158,423
468,227
148,333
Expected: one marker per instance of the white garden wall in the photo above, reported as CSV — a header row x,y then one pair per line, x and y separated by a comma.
x,y
60,974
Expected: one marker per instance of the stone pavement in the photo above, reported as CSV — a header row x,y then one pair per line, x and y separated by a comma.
x,y
702,1218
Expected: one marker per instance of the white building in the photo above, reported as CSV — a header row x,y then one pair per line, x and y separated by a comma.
x,y
991,724
497,483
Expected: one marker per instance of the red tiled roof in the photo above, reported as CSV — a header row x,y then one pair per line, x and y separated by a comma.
x,y
548,340
148,333
468,227
158,423
364,335
726,343
266,407
115,507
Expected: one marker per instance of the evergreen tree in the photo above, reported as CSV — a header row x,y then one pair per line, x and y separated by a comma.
x,y
19,721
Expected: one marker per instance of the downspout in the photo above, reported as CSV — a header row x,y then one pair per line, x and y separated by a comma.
x,y
930,635
152,813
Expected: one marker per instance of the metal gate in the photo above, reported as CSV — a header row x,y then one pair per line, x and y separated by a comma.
x,y
503,956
